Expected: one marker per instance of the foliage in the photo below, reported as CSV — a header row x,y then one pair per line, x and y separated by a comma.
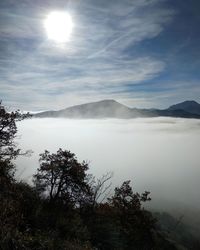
x,y
8,131
61,178
8,147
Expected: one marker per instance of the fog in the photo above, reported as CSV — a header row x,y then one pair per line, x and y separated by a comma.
x,y
160,155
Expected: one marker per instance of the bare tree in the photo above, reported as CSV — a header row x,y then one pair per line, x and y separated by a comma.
x,y
100,188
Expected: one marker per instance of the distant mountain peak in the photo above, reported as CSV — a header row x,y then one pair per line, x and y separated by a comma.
x,y
101,103
105,101
189,102
190,106
108,100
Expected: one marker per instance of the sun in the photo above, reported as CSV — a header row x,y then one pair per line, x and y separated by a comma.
x,y
59,26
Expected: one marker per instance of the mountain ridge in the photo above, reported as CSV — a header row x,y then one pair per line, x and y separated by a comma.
x,y
110,108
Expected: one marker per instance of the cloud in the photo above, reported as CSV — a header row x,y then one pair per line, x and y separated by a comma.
x,y
154,152
100,56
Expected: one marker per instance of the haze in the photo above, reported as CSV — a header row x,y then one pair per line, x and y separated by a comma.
x,y
160,155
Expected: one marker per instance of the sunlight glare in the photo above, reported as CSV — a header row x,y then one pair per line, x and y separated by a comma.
x,y
59,26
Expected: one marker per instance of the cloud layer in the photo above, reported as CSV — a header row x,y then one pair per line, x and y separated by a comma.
x,y
157,154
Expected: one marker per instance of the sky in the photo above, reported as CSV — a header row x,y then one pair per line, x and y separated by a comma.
x,y
142,53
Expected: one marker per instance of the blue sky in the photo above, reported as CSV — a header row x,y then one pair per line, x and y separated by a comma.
x,y
143,53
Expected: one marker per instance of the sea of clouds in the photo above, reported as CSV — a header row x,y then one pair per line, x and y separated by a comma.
x,y
160,155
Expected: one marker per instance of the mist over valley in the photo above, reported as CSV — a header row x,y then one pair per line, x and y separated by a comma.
x,y
160,155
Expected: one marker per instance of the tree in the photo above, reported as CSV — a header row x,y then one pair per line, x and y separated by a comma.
x,y
61,177
8,131
12,213
136,223
124,198
8,147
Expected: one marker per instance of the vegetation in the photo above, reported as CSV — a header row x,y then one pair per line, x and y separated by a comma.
x,y
67,209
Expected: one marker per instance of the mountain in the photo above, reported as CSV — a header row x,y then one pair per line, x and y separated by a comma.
x,y
101,109
188,106
113,109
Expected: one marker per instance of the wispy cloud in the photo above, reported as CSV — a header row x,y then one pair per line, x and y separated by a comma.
x,y
101,57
